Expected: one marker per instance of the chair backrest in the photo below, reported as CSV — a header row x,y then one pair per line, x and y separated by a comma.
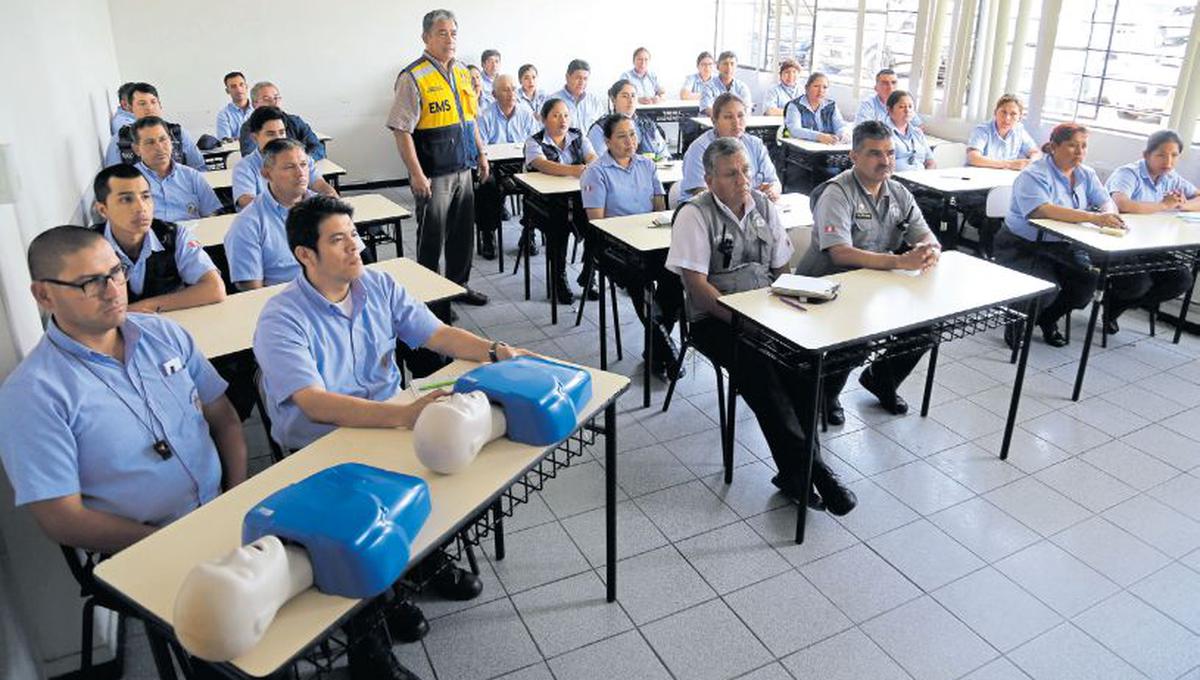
x,y
998,199
673,196
950,155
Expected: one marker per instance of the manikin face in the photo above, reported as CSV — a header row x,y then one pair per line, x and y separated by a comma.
x,y
450,432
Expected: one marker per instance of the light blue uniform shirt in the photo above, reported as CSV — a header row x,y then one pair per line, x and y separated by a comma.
x,y
74,421
986,139
183,194
1134,181
654,143
535,102
191,153
912,149
779,96
585,110
762,170
534,151
694,85
645,85
620,191
257,245
248,179
304,340
795,124
1041,182
495,127
120,119
190,259
716,88
873,108
230,119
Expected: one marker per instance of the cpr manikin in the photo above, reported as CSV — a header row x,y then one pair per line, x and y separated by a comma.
x,y
450,432
226,605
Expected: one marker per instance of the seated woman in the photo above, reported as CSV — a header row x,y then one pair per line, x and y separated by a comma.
x,y
1057,187
559,149
529,93
1003,143
623,98
693,85
785,91
1148,186
912,149
483,98
729,120
813,116
645,82
622,182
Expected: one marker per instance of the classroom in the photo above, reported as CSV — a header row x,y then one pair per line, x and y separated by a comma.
x,y
699,339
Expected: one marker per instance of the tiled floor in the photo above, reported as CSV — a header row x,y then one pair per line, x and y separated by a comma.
x,y
1077,558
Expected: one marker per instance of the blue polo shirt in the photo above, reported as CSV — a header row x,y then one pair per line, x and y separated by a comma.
x,y
534,151
183,194
190,259
248,178
795,124
874,108
120,119
762,170
74,421
645,85
620,191
257,246
695,85
650,137
535,102
779,96
716,88
495,127
304,340
985,138
230,119
1041,182
912,148
584,110
1134,181
191,153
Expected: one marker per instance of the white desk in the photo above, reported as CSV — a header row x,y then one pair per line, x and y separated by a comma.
x,y
149,573
966,179
752,122
222,180
504,151
814,147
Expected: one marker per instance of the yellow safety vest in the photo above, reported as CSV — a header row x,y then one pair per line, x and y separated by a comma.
x,y
445,132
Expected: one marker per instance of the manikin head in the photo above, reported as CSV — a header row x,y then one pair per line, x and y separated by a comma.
x,y
450,432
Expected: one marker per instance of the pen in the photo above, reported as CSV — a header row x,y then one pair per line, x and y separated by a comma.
x,y
437,385
792,303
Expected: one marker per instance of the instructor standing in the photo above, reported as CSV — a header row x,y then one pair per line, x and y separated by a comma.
x,y
433,119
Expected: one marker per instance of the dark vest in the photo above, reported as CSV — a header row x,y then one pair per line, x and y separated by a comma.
x,y
162,272
552,152
739,261
125,144
821,121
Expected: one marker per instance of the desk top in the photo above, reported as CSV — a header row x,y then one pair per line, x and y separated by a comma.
x,y
959,180
223,179
151,571
873,303
228,326
367,208
505,151
225,149
934,141
669,172
1156,231
669,104
811,146
751,121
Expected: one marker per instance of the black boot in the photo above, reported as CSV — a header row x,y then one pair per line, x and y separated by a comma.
x,y
370,657
562,290
589,287
666,354
838,499
487,244
527,242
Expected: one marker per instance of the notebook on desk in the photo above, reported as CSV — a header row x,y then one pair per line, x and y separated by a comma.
x,y
795,285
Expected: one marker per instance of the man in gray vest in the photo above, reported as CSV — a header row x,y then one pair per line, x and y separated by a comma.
x,y
865,219
730,239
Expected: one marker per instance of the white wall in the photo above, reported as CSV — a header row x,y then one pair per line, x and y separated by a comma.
x,y
335,63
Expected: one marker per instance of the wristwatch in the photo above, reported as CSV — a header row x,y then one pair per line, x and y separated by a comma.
x,y
496,344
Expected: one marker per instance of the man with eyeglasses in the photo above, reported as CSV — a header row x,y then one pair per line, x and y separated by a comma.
x,y
265,93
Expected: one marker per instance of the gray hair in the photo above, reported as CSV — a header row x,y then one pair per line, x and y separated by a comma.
x,y
435,16
721,147
259,87
501,78
278,146
869,130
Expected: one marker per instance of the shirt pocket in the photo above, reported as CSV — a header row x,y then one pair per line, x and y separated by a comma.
x,y
381,360
184,405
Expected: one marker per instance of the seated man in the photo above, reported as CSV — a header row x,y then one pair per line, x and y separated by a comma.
x,y
267,123
875,107
143,102
505,120
489,65
585,107
232,115
266,94
123,115
785,90
730,239
865,219
167,267
725,83
180,192
256,243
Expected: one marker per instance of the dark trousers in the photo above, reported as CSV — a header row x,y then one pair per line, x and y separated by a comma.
x,y
887,373
1067,265
1147,288
664,310
446,221
489,205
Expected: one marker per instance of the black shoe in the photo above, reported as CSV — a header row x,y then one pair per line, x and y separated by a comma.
x,y
890,401
455,583
1052,336
834,412
1010,336
1111,327
788,489
592,292
406,622
527,244
838,499
562,291
370,658
473,298
487,245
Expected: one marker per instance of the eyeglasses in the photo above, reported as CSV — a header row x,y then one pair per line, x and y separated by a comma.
x,y
93,286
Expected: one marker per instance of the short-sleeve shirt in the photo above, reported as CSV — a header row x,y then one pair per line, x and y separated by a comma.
x,y
534,150
845,214
779,96
534,102
190,259
304,340
257,245
795,123
495,127
249,181
585,110
1041,182
1134,181
716,88
874,108
912,148
620,191
646,84
691,248
120,119
695,85
986,139
230,119
183,194
762,170
75,421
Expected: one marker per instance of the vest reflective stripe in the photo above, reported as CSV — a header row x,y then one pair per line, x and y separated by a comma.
x,y
162,272
125,144
445,133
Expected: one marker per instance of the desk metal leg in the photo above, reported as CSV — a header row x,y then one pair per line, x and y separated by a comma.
x,y
1097,303
498,535
603,320
527,236
553,254
648,347
160,651
933,355
1187,302
731,402
610,498
400,238
807,463
1026,339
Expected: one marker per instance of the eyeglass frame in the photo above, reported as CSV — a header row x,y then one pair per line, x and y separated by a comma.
x,y
121,270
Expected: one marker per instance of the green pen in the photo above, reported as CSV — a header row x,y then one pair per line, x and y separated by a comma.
x,y
437,385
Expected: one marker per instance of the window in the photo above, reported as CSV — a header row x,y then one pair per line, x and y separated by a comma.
x,y
743,29
795,26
